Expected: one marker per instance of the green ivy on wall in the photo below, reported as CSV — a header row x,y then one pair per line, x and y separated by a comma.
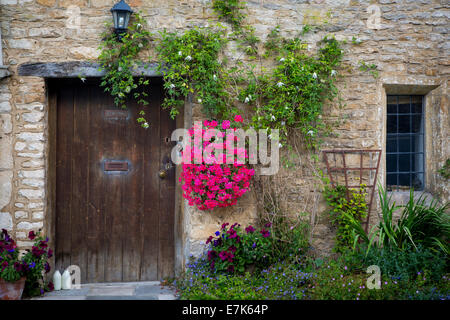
x,y
289,95
190,64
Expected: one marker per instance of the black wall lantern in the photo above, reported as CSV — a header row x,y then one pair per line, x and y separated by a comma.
x,y
121,14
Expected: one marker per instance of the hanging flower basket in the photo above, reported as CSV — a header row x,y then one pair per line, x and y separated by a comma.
x,y
213,182
11,290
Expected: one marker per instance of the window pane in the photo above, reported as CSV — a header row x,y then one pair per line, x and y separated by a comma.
x,y
392,124
391,145
404,104
418,162
404,125
416,106
417,142
404,144
404,162
417,123
418,181
392,104
404,179
391,162
391,180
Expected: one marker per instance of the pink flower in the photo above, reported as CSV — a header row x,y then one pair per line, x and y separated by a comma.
x,y
238,118
226,124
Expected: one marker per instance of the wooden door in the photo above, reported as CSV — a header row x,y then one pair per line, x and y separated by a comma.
x,y
114,214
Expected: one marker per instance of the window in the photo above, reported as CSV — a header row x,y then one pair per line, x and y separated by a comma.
x,y
405,142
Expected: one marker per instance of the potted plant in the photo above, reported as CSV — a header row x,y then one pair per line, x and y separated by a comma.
x,y
12,279
23,274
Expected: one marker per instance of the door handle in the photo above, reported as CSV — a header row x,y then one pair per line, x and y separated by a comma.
x,y
162,174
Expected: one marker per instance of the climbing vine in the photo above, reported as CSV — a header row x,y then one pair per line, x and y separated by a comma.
x,y
190,64
120,59
293,94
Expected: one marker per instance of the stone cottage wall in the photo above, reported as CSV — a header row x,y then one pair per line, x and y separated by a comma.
x,y
409,44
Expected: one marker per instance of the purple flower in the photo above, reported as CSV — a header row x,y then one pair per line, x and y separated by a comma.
x,y
249,229
217,233
265,233
254,245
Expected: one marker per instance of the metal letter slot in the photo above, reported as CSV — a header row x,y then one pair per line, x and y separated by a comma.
x,y
116,166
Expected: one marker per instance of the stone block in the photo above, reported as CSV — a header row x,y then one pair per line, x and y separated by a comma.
x,y
6,221
6,188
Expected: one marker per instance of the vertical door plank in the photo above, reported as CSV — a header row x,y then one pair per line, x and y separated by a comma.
x,y
96,194
80,179
132,196
114,234
167,195
150,250
64,174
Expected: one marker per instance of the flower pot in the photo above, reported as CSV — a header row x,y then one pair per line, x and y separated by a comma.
x,y
11,290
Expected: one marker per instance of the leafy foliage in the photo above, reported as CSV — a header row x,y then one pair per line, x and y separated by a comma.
x,y
402,265
313,279
293,94
190,65
419,223
445,170
345,212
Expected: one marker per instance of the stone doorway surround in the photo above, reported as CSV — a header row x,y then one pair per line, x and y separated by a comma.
x,y
36,190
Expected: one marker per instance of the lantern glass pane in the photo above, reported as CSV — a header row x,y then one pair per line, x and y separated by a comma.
x,y
121,22
115,19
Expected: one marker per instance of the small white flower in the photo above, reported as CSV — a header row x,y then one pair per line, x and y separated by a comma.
x,y
280,145
246,100
273,118
83,79
282,59
180,53
314,75
139,25
145,125
214,77
188,58
311,133
333,73
280,84
172,86
199,100
140,45
283,123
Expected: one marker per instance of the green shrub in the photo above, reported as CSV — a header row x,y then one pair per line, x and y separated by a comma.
x,y
312,280
403,265
419,223
345,212
232,250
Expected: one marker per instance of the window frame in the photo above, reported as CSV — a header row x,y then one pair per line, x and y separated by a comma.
x,y
422,137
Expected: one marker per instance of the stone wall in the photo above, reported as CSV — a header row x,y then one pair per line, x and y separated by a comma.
x,y
409,45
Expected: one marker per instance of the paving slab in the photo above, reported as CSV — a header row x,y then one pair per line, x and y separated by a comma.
x,y
145,290
121,298
151,290
111,291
